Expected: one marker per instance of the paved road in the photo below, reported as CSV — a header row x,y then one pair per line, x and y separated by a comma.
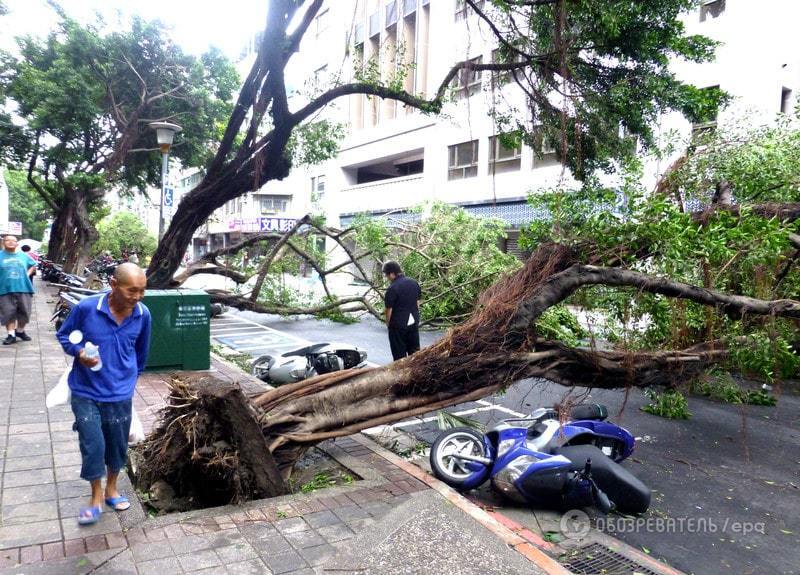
x,y
724,470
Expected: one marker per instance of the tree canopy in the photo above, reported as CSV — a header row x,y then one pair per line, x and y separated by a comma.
x,y
585,69
25,205
724,216
124,233
85,97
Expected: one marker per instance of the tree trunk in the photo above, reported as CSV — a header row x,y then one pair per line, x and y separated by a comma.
x,y
199,204
73,234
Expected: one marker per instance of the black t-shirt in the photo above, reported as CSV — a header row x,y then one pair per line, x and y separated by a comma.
x,y
402,297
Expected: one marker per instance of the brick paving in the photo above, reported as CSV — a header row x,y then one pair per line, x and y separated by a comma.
x,y
40,491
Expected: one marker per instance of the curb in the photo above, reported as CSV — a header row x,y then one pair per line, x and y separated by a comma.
x,y
514,534
494,522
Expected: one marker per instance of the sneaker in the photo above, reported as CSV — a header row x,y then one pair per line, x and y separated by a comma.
x,y
23,336
9,340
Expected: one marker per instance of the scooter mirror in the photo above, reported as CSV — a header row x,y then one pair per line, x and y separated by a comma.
x,y
75,337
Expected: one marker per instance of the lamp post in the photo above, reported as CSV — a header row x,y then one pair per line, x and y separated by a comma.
x,y
165,133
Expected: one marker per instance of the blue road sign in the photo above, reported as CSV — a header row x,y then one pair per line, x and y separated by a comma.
x,y
168,197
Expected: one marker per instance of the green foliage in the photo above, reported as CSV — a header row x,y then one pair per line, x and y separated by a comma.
x,y
26,205
79,90
618,222
670,404
335,313
124,232
615,67
559,323
315,142
766,354
321,480
453,255
721,386
447,420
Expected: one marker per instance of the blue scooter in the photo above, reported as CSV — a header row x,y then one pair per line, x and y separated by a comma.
x,y
540,461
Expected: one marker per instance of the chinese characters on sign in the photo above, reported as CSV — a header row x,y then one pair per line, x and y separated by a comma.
x,y
14,228
191,315
261,224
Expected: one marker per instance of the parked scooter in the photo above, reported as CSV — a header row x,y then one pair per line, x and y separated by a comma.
x,y
538,460
307,362
66,301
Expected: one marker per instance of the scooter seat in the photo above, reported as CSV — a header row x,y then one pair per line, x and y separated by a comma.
x,y
589,411
627,492
309,349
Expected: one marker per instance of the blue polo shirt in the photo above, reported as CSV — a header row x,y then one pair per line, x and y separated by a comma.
x,y
14,272
123,349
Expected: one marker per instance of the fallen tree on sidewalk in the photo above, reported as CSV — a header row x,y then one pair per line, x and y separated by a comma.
x,y
497,346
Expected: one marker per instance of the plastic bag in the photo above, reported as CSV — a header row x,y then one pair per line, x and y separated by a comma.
x,y
60,393
136,434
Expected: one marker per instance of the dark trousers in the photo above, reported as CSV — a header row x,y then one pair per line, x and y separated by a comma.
x,y
403,341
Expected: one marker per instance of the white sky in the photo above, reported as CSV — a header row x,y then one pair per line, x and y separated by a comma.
x,y
195,24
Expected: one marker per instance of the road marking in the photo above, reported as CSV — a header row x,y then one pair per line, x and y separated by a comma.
x,y
502,408
231,327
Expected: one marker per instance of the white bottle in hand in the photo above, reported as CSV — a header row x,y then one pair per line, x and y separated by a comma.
x,y
90,351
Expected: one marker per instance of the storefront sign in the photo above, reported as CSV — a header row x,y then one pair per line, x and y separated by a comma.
x,y
252,225
14,228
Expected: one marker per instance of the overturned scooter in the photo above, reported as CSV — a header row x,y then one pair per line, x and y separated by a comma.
x,y
306,362
538,460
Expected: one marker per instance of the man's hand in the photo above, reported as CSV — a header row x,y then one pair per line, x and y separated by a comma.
x,y
89,362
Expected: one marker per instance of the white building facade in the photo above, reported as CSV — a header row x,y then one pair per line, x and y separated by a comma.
x,y
394,157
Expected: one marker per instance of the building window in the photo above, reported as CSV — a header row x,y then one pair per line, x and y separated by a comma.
x,y
787,101
501,158
317,188
272,204
463,161
711,9
464,10
319,75
321,23
468,80
544,149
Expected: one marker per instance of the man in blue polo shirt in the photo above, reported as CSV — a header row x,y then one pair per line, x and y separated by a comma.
x,y
119,325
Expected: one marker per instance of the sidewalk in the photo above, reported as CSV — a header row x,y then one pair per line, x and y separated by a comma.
x,y
395,520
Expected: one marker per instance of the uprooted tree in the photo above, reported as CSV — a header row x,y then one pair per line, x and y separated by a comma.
x,y
605,62
197,449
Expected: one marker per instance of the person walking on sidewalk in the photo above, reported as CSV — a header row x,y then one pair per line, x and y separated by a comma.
x,y
16,290
402,311
118,323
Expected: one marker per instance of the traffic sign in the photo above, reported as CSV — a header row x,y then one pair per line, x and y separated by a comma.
x,y
168,197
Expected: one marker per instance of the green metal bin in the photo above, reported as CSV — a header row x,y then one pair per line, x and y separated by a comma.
x,y
181,329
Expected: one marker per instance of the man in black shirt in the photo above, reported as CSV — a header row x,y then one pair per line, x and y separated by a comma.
x,y
402,311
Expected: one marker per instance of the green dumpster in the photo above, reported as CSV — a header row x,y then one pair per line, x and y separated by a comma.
x,y
181,329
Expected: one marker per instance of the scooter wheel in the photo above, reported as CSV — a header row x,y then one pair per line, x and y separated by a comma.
x,y
459,473
261,366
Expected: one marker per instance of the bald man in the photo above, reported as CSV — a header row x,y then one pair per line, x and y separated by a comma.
x,y
119,325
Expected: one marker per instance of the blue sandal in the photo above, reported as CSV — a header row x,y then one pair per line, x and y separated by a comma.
x,y
119,503
89,515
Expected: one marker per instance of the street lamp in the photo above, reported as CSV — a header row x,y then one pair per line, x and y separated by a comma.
x,y
165,133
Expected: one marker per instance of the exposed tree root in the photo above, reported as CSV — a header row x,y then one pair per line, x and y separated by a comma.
x,y
208,446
